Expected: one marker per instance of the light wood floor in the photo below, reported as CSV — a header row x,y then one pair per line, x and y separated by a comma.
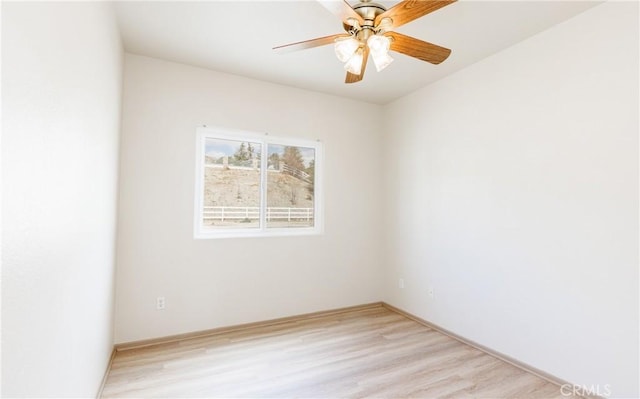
x,y
365,353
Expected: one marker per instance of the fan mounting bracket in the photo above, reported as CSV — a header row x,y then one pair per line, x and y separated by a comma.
x,y
369,11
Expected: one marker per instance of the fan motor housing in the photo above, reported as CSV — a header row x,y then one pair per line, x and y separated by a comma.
x,y
369,11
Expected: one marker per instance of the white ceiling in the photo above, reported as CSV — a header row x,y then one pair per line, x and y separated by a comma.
x,y
237,37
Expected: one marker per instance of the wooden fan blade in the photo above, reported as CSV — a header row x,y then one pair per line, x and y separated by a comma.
x,y
408,10
342,9
321,41
417,48
352,78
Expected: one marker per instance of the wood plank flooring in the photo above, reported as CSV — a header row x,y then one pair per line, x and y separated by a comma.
x,y
372,352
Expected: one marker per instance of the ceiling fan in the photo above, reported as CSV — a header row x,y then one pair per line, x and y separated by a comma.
x,y
369,30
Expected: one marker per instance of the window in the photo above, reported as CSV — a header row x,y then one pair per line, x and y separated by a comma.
x,y
250,184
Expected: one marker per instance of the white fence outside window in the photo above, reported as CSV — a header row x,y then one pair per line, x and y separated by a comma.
x,y
229,213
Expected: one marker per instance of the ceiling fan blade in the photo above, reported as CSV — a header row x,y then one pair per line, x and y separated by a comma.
x,y
352,78
408,10
342,9
417,48
321,41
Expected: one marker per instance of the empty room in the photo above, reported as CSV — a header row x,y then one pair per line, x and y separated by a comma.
x,y
320,199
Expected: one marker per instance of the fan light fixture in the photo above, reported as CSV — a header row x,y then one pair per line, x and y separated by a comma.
x,y
379,47
381,61
378,44
354,64
349,51
345,48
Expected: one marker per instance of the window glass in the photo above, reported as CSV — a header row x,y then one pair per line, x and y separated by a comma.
x,y
249,184
290,185
231,184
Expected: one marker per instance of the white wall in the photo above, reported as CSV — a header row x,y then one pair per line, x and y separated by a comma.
x,y
514,193
220,282
61,81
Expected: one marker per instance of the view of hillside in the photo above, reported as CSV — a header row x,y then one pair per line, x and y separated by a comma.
x,y
232,184
240,187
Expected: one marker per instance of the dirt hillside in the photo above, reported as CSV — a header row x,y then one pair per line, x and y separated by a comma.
x,y
240,187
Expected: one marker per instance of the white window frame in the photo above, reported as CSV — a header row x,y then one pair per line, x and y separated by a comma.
x,y
200,232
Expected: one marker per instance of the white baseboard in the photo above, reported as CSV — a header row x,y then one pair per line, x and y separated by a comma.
x,y
491,352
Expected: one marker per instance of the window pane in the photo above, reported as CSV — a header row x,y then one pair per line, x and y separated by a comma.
x,y
231,184
290,184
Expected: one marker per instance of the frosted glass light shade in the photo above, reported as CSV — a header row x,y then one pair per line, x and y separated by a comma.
x,y
345,48
378,44
381,60
354,64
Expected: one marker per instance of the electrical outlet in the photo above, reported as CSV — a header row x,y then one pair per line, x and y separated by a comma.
x,y
431,294
160,303
401,283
